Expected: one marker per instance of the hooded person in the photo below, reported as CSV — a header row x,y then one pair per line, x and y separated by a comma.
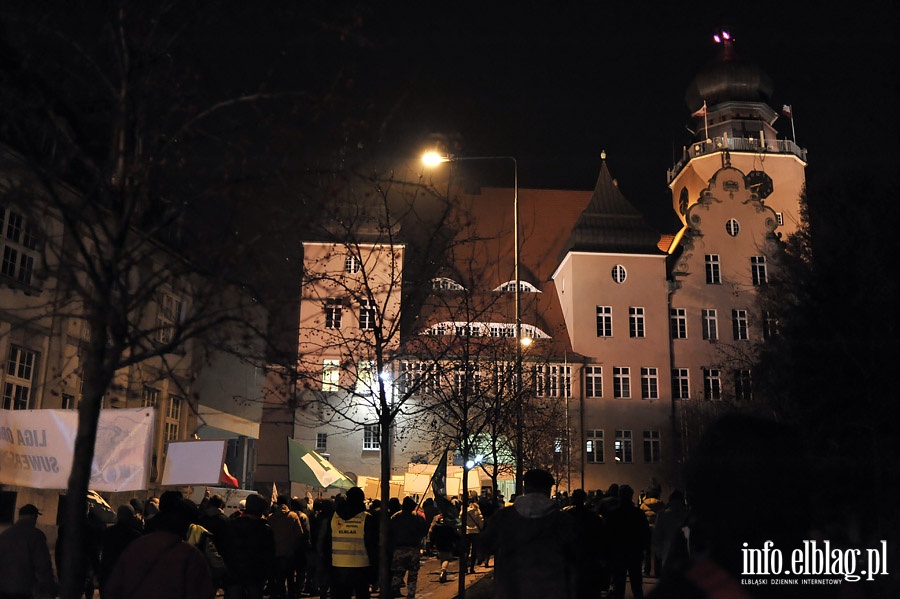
x,y
349,546
534,544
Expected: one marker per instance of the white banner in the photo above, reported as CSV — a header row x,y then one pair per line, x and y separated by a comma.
x,y
36,448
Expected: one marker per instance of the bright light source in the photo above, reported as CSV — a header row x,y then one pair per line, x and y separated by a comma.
x,y
726,35
433,159
717,39
526,341
470,464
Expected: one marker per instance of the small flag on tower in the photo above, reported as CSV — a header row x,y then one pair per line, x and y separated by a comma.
x,y
786,111
701,111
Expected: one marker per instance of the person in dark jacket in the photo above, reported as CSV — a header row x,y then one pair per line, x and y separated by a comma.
x,y
534,544
406,529
248,551
349,545
161,564
591,541
115,540
25,567
629,535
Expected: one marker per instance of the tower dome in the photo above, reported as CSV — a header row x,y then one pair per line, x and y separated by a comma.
x,y
728,78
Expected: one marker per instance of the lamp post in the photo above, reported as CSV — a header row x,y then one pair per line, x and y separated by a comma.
x,y
433,159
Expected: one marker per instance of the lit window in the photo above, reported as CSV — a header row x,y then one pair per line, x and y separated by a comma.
x,y
372,437
621,382
604,321
779,218
593,449
593,381
681,383
331,375
624,447
649,383
713,270
619,273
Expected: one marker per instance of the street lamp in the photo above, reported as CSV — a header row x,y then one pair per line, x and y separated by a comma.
x,y
433,159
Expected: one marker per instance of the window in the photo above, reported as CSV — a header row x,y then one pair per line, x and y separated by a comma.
x,y
467,379
710,328
621,382
713,270
553,380
68,401
779,218
331,375
712,384
366,377
372,437
732,227
604,321
149,397
367,314
739,325
758,270
651,447
678,319
352,264
593,447
333,307
649,383
173,418
743,390
445,284
770,324
321,442
624,447
681,383
417,377
524,287
593,381
619,273
636,322
20,374
19,248
167,316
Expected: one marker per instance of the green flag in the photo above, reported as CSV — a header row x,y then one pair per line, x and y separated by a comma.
x,y
308,467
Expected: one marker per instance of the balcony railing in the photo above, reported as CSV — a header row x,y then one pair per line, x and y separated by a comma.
x,y
736,144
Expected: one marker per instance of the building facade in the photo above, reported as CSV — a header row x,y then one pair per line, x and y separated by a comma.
x,y
638,337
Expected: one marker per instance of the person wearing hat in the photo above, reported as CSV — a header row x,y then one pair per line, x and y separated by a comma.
x,y
533,543
26,570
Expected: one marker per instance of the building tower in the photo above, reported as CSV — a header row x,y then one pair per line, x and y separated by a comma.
x,y
734,123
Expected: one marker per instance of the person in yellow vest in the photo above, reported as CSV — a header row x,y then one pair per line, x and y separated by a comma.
x,y
349,545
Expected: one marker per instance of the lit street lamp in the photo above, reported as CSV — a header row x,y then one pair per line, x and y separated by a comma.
x,y
433,159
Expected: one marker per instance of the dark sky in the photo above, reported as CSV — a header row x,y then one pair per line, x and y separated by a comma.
x,y
554,83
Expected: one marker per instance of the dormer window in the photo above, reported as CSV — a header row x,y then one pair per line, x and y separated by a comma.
x,y
524,287
445,284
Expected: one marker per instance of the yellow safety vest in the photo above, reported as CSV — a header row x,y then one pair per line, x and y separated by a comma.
x,y
348,546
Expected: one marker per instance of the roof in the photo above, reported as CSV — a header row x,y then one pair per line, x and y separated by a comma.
x,y
610,224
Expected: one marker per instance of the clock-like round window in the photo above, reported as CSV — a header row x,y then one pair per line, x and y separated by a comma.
x,y
733,227
618,273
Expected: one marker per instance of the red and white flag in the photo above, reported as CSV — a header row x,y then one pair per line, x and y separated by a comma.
x,y
786,111
701,111
226,478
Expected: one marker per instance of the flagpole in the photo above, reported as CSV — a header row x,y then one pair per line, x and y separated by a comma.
x,y
793,130
705,121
